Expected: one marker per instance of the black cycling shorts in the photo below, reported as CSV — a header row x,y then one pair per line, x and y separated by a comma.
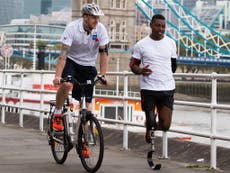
x,y
82,74
150,99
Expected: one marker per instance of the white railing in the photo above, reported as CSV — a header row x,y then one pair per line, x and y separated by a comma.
x,y
213,106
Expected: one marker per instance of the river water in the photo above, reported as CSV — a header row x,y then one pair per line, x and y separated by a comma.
x,y
195,119
199,120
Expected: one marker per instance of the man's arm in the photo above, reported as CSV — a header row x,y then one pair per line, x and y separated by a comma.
x,y
174,64
136,69
61,63
135,66
103,50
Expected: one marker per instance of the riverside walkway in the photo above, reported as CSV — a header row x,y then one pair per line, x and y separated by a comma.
x,y
27,151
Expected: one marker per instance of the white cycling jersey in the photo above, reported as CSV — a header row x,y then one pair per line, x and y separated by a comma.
x,y
84,47
157,54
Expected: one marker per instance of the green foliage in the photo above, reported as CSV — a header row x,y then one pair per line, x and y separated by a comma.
x,y
41,45
25,63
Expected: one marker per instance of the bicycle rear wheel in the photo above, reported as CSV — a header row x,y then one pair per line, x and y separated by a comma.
x,y
59,143
91,145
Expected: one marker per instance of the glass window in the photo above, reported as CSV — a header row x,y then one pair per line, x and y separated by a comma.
x,y
124,4
118,27
111,4
115,46
89,1
123,23
118,30
118,4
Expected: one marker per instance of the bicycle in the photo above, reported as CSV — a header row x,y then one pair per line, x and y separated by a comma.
x,y
85,133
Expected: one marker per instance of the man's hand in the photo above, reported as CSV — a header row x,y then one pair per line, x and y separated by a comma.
x,y
103,80
56,80
146,71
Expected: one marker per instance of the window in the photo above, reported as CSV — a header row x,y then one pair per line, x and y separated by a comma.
x,y
89,1
123,4
117,27
116,112
113,46
119,4
123,23
118,30
112,30
123,31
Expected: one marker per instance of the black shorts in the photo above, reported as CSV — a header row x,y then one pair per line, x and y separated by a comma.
x,y
150,99
82,74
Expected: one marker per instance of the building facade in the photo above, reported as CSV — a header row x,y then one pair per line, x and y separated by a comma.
x,y
22,36
2,38
119,21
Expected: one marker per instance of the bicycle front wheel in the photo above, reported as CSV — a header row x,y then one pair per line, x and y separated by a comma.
x,y
91,145
59,143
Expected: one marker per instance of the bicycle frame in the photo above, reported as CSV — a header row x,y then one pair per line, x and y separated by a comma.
x,y
82,111
85,134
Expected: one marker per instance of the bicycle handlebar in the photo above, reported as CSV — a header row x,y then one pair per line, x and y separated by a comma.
x,y
69,78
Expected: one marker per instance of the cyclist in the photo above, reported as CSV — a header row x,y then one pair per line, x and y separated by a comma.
x,y
81,42
157,53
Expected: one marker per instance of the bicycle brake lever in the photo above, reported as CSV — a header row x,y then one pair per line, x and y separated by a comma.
x,y
101,79
66,79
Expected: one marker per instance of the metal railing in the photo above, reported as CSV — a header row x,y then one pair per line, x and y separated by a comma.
x,y
125,97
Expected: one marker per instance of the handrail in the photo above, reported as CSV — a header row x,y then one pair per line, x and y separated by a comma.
x,y
125,97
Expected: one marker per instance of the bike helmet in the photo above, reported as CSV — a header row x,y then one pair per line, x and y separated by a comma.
x,y
92,9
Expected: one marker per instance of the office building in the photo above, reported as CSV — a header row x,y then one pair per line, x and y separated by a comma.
x,y
46,6
38,7
10,10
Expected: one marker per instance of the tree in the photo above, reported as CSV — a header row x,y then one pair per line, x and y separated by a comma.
x,y
41,45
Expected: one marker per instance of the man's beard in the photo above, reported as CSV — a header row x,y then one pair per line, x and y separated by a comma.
x,y
87,27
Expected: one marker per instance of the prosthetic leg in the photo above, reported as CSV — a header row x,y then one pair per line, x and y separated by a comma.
x,y
151,124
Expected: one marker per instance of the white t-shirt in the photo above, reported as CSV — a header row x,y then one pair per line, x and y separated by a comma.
x,y
156,54
84,48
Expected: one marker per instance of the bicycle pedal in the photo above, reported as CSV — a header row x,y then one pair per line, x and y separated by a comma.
x,y
49,141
